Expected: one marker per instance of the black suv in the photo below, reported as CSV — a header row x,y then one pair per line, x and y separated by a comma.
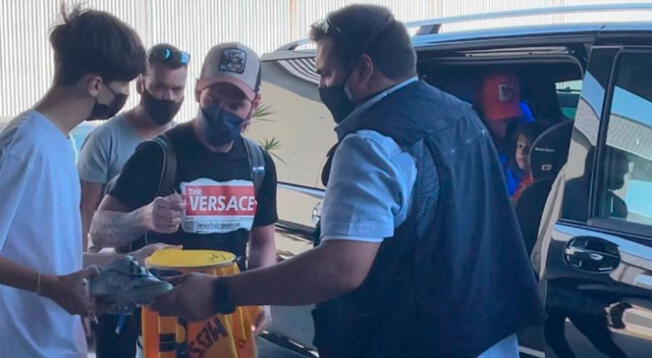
x,y
587,216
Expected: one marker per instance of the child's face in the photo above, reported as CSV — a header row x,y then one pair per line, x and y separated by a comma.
x,y
523,153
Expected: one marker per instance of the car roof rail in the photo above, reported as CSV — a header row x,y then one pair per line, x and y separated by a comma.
x,y
432,26
292,45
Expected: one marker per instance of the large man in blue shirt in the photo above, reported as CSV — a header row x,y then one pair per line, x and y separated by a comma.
x,y
421,254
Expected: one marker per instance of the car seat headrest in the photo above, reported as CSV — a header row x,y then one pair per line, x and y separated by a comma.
x,y
550,150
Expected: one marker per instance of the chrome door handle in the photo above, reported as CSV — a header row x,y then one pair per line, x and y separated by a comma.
x,y
592,255
316,213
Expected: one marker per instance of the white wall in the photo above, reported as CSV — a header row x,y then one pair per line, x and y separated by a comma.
x,y
195,25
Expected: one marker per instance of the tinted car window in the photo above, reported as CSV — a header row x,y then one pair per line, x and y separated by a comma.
x,y
568,94
626,188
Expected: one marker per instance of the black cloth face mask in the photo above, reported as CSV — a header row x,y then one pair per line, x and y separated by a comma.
x,y
335,97
106,111
337,100
161,111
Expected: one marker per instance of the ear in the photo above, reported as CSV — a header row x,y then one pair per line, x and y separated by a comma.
x,y
140,84
365,68
197,91
93,84
255,103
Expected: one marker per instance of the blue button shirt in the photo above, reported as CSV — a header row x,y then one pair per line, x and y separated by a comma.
x,y
370,185
369,190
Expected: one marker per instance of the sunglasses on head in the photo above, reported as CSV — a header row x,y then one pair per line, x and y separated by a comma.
x,y
169,54
327,26
330,28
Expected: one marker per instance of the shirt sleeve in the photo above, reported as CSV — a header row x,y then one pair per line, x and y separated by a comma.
x,y
267,214
14,175
138,182
93,163
369,189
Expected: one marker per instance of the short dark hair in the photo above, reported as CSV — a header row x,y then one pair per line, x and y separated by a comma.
x,y
90,41
173,62
371,30
531,130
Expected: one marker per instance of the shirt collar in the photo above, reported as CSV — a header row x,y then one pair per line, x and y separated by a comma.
x,y
352,119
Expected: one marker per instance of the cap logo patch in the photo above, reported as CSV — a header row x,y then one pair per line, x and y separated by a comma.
x,y
233,60
506,92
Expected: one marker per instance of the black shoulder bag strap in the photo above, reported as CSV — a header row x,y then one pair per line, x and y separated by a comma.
x,y
168,174
256,162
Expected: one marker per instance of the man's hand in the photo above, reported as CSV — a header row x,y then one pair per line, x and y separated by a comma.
x,y
146,251
263,321
192,298
163,215
71,292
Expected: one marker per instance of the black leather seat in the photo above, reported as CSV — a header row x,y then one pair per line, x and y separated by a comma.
x,y
549,153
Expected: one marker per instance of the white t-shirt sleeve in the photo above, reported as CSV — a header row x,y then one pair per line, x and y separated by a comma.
x,y
369,189
14,174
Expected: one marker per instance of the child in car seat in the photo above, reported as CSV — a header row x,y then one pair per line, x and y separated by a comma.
x,y
520,167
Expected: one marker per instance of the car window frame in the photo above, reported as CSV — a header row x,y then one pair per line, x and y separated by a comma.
x,y
639,230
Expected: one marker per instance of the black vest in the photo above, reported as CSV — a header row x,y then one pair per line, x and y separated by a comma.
x,y
455,279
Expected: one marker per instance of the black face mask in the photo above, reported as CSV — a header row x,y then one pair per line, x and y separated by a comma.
x,y
106,111
223,126
335,97
337,101
161,111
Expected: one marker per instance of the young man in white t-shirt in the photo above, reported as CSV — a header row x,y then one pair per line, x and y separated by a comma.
x,y
43,285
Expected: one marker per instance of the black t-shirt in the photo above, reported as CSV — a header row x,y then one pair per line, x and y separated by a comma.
x,y
138,183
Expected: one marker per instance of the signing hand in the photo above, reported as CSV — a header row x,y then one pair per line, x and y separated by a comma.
x,y
163,215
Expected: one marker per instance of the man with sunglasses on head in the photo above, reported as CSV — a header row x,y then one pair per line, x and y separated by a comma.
x,y
106,149
228,182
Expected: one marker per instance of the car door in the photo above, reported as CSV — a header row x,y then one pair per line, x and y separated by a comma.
x,y
597,257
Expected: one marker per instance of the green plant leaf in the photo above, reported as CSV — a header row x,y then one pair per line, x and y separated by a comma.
x,y
270,145
262,113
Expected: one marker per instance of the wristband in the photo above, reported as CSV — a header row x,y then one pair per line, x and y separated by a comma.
x,y
222,304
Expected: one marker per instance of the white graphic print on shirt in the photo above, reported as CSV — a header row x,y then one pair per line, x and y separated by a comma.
x,y
218,207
